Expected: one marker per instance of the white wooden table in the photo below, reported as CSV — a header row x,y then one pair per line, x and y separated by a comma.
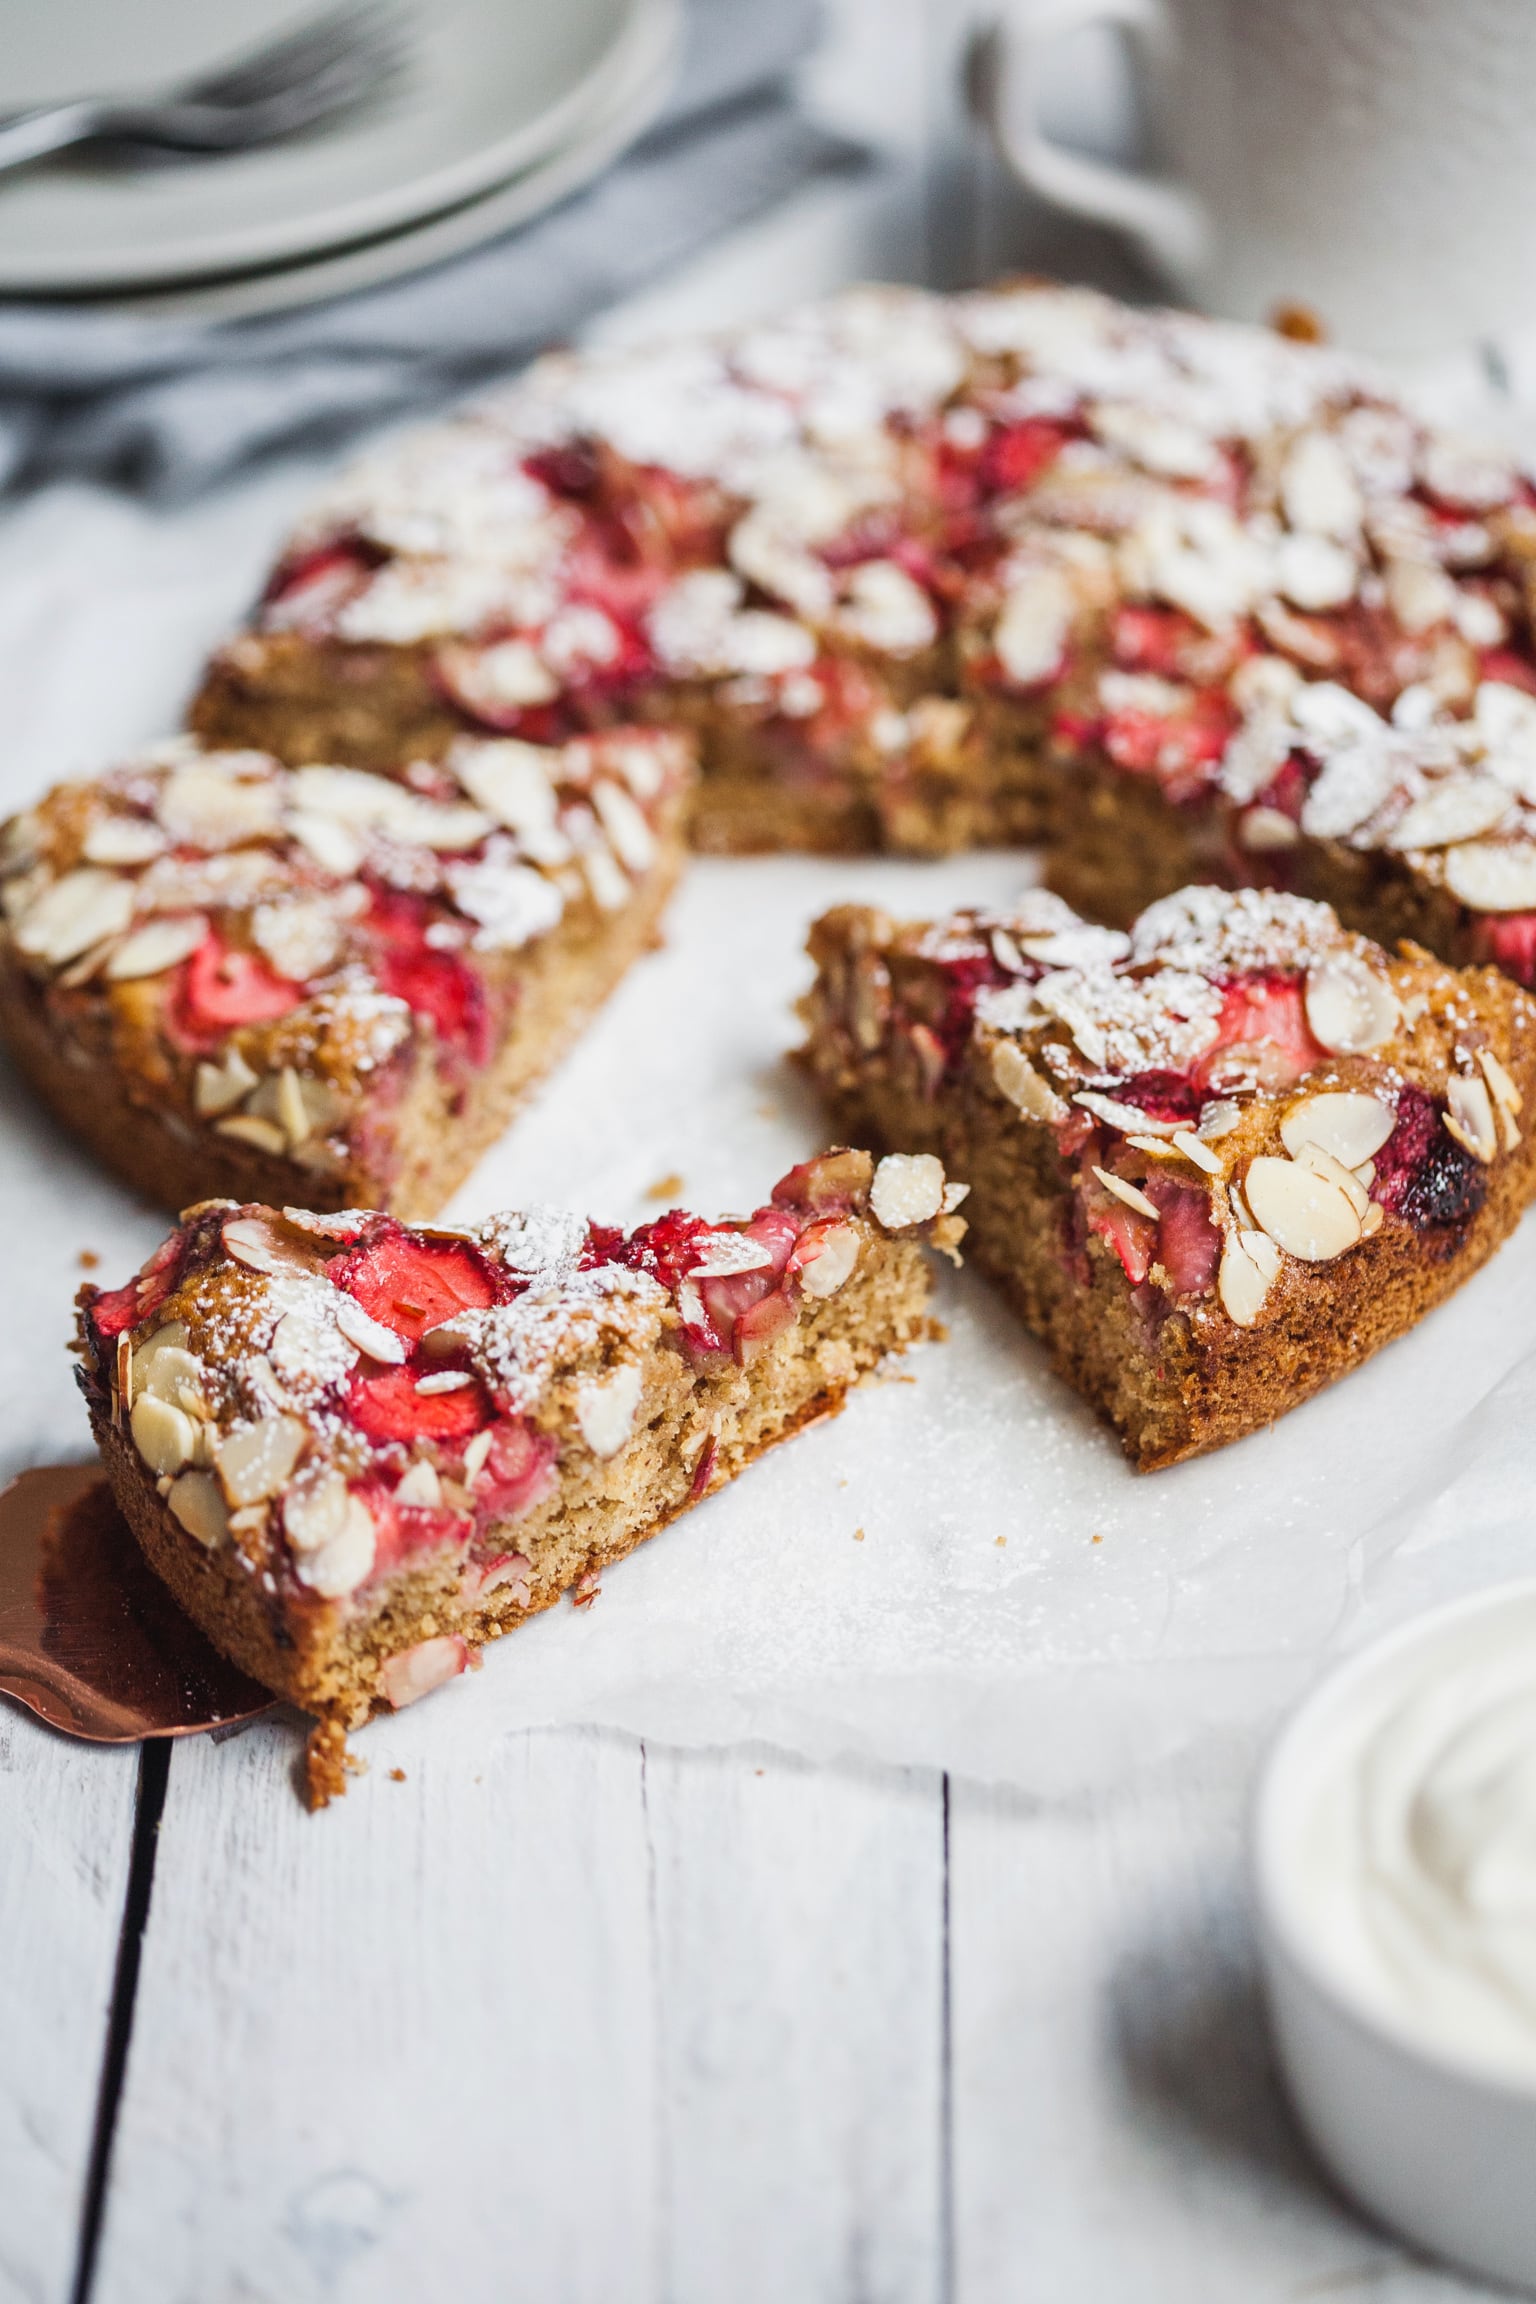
x,y
590,2020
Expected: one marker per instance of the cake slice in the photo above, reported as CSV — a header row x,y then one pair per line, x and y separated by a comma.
x,y
356,1451
1215,1162
323,985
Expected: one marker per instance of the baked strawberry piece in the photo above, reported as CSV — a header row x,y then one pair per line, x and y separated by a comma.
x,y
917,572
356,1451
230,977
1215,1162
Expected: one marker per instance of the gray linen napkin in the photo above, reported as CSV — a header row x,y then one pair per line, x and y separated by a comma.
x,y
168,406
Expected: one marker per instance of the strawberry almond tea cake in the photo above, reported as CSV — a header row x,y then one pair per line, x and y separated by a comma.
x,y
1215,1161
319,984
921,572
356,1451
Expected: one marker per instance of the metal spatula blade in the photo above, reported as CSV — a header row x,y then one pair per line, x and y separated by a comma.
x,y
90,1640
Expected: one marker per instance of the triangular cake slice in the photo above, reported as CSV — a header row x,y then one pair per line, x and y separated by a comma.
x,y
356,1451
325,986
1216,1161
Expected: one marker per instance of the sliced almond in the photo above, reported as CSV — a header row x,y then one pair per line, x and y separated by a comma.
x,y
1128,1193
1375,1217
1249,1264
247,1128
1350,1008
908,1189
627,827
369,1335
1351,1125
198,1504
72,914
315,1509
258,1460
338,1566
476,1453
1493,875
1322,1163
1218,1119
1470,1116
605,1409
292,1112
122,840
1459,808
163,1435
826,1272
1303,1212
256,1243
157,946
1017,1079
219,1086
420,1485
1503,1087
171,1373
1192,1148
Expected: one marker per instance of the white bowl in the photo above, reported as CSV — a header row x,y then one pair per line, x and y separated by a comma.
x,y
1438,2143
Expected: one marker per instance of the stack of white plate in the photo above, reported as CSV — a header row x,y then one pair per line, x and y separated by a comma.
x,y
506,107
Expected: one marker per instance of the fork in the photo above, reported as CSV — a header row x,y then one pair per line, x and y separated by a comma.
x,y
289,84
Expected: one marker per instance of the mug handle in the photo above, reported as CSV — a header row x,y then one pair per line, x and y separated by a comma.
x,y
1002,87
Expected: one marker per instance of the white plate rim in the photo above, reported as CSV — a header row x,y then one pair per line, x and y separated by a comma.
x,y
372,216
348,271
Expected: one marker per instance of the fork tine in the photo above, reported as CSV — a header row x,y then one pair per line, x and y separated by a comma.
x,y
351,32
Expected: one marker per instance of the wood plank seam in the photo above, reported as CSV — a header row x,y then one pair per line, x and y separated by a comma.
x,y
149,1804
946,2074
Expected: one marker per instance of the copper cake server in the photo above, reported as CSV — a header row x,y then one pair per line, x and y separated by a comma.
x,y
90,1640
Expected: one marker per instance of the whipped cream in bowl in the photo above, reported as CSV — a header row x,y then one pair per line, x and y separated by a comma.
x,y
1394,1856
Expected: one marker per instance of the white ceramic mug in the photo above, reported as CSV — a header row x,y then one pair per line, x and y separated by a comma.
x,y
1372,160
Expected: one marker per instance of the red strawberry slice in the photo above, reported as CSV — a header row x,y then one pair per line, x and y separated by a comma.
x,y
321,580
1503,664
668,1248
1264,1015
1015,455
1188,1243
223,987
1180,748
1132,1236
1510,942
412,1285
518,1469
757,1327
439,986
387,1406
1155,640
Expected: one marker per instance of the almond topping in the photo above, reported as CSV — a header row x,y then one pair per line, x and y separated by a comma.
x,y
1128,1193
1017,1079
605,1409
1322,1163
1504,1089
198,1505
247,1128
369,1335
1249,1263
1192,1149
157,946
421,1485
1493,875
257,1460
1349,1007
74,913
339,1565
908,1188
218,1086
1302,1212
1350,1125
830,1267
1470,1116
163,1435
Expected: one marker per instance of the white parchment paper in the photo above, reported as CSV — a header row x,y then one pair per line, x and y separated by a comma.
x,y
960,1571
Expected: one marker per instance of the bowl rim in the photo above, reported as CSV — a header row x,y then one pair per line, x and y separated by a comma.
x,y
1275,1902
